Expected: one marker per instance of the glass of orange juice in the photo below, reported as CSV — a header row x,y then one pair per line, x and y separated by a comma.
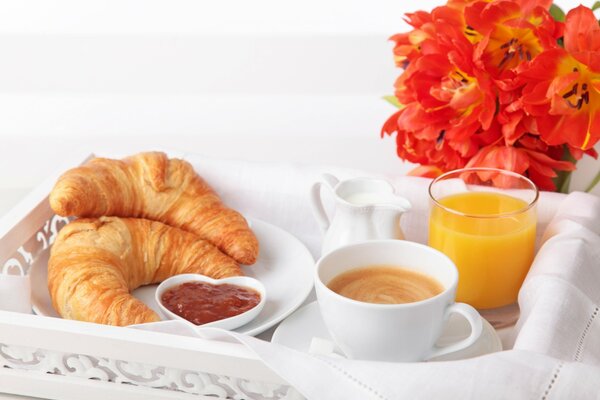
x,y
484,219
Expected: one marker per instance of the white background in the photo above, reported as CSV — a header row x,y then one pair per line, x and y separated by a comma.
x,y
259,80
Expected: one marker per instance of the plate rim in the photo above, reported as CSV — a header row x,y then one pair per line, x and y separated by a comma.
x,y
260,329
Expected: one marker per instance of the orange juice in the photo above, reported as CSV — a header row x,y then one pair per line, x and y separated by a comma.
x,y
490,237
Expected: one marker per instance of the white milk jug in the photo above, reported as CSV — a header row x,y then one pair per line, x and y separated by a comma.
x,y
366,209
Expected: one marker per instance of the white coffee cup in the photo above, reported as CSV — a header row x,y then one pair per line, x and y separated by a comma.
x,y
392,332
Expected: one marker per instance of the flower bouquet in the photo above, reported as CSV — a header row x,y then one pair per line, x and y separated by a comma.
x,y
510,84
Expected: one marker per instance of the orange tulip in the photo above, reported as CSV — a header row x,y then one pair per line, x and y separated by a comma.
x,y
525,5
539,167
448,102
562,89
431,34
510,36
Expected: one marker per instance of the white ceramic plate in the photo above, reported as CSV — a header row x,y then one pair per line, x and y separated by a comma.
x,y
299,329
285,267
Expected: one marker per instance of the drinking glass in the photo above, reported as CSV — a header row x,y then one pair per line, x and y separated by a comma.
x,y
484,219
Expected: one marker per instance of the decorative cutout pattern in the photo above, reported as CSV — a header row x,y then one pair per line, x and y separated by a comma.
x,y
27,253
119,371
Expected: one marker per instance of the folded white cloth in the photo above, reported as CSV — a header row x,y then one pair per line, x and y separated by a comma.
x,y
557,347
560,297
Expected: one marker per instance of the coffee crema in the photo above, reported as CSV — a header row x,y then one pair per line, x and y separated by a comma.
x,y
385,284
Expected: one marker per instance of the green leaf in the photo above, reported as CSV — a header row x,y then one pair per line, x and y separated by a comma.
x,y
393,100
594,181
558,14
596,6
563,178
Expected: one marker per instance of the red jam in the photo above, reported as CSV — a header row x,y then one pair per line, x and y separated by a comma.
x,y
202,302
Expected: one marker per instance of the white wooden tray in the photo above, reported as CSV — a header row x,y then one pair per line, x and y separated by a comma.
x,y
56,358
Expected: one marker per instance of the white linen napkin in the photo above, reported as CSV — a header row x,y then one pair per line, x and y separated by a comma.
x,y
560,297
557,348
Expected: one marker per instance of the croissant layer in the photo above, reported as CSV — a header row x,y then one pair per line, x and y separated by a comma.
x,y
152,186
96,263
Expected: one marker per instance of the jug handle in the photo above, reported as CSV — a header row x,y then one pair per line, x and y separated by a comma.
x,y
316,202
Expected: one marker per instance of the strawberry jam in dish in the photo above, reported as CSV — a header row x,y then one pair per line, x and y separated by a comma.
x,y
203,302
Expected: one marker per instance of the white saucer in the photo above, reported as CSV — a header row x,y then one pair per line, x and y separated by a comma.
x,y
298,330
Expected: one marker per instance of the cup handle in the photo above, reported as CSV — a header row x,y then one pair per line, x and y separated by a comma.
x,y
316,201
474,320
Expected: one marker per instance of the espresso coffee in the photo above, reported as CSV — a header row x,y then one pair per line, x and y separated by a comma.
x,y
385,284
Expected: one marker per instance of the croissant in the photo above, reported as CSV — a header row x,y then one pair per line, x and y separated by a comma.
x,y
95,264
149,185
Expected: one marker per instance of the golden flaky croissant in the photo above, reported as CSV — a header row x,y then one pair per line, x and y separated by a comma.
x,y
152,186
96,263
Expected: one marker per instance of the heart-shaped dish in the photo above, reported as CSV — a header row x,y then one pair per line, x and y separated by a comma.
x,y
227,323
